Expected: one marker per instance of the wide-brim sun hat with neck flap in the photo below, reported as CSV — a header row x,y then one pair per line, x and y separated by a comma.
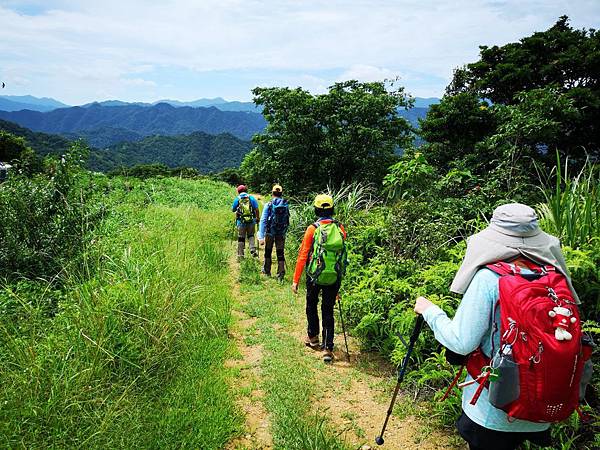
x,y
513,231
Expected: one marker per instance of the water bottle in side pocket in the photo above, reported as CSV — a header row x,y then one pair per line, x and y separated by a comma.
x,y
505,389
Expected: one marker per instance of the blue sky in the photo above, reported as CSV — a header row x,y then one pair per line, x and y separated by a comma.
x,y
145,50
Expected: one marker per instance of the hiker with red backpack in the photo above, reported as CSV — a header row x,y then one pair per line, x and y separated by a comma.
x,y
323,254
518,325
273,227
246,209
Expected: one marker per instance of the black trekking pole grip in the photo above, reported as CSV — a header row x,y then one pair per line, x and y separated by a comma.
x,y
411,345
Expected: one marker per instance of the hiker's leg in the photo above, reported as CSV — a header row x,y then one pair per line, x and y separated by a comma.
x,y
481,438
312,314
250,234
268,253
241,241
327,305
279,246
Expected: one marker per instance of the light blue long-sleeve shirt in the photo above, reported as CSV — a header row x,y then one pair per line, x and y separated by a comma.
x,y
468,330
262,228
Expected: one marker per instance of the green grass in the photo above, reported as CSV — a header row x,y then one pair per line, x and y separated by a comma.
x,y
287,373
132,354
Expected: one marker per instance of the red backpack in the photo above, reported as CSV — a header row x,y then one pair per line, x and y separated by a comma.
x,y
540,330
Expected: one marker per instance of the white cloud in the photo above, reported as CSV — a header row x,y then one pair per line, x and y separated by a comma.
x,y
362,72
138,82
80,50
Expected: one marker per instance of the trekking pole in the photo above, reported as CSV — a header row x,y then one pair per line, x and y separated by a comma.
x,y
339,299
413,338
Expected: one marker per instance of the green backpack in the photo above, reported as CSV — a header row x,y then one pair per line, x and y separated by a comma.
x,y
245,210
327,263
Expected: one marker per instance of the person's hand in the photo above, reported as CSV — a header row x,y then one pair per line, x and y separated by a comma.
x,y
261,241
422,304
295,288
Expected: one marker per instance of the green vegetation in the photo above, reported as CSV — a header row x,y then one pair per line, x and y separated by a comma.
x,y
561,61
343,136
203,152
198,151
124,349
43,144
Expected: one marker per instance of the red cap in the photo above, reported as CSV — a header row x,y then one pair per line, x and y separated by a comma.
x,y
242,188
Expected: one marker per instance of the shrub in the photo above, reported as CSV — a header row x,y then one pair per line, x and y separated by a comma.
x,y
47,218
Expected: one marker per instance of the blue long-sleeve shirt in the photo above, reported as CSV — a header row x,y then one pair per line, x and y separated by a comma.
x,y
236,203
262,228
468,330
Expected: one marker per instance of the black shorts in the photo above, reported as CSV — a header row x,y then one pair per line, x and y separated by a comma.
x,y
479,437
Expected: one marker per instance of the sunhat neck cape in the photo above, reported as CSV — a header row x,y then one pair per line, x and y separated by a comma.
x,y
513,231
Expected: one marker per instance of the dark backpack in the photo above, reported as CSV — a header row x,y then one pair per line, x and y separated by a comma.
x,y
278,219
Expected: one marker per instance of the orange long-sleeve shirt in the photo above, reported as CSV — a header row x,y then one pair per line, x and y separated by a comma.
x,y
306,247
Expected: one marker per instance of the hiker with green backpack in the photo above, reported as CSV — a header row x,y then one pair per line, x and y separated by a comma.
x,y
246,209
323,254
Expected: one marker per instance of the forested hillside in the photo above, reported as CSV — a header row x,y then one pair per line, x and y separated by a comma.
x,y
105,136
42,143
201,151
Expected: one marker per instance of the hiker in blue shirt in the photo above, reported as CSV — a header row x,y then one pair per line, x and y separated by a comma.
x,y
513,235
245,208
272,230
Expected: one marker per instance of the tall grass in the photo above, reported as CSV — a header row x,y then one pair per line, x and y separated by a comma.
x,y
134,356
349,201
572,207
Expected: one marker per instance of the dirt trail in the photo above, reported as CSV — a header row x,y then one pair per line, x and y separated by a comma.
x,y
354,395
256,433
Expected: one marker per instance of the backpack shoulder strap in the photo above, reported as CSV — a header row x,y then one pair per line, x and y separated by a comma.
x,y
502,268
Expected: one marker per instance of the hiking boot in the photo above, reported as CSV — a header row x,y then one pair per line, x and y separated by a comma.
x,y
312,342
265,273
255,254
328,356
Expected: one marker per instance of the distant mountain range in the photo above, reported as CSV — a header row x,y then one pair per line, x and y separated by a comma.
x,y
161,119
103,126
20,102
17,103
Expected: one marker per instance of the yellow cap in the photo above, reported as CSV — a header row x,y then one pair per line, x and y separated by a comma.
x,y
323,201
277,188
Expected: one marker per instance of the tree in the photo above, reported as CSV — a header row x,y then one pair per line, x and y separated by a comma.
x,y
561,58
349,134
14,149
453,127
